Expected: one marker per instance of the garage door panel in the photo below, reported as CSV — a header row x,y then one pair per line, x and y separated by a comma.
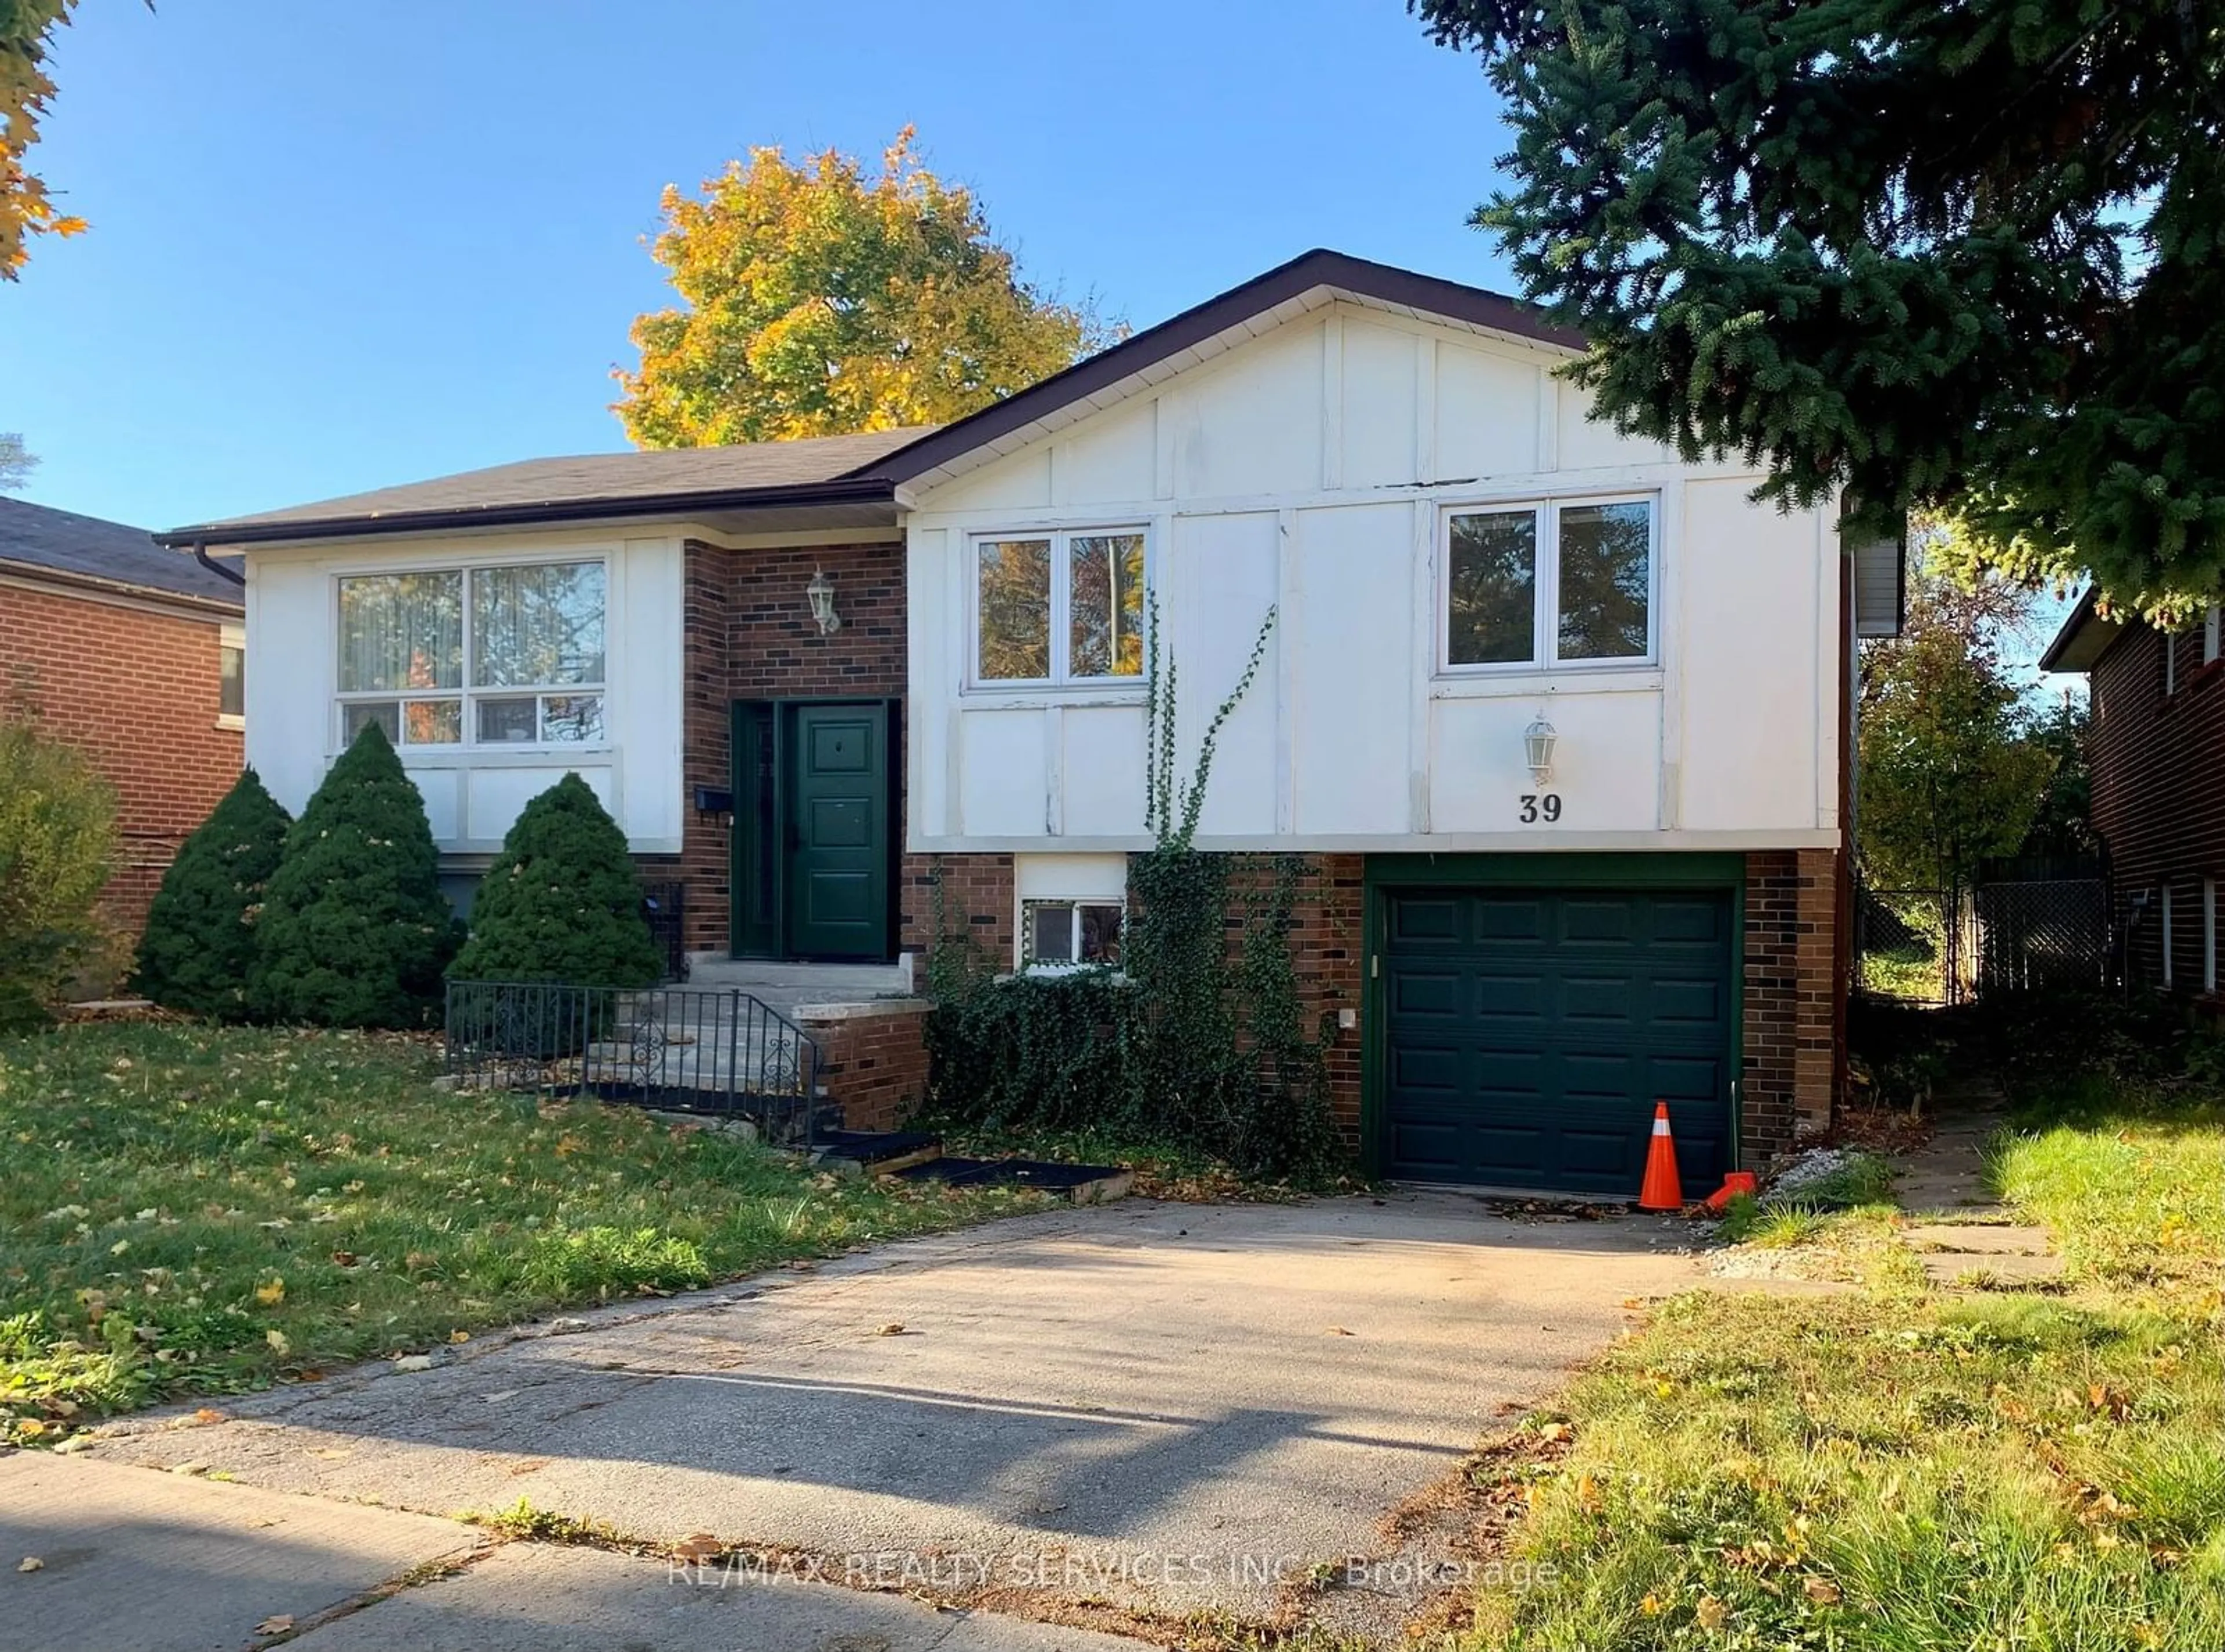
x,y
1529,1035
1415,1067
1425,992
1518,994
1689,1002
1429,1145
1600,999
1590,922
1505,918
1421,921
1676,919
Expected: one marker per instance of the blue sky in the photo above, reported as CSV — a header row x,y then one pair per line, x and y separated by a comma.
x,y
335,247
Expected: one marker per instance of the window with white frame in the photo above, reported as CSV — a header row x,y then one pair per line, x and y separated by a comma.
x,y
2209,935
1069,932
1559,582
504,656
232,677
2209,636
1059,607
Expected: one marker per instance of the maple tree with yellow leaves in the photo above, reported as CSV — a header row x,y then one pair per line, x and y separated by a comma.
x,y
818,300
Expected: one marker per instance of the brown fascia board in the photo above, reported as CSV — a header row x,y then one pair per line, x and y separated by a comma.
x,y
1308,270
846,489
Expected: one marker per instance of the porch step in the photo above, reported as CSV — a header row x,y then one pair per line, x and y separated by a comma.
x,y
782,987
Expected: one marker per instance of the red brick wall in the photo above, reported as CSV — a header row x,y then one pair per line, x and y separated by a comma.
x,y
2159,793
1793,991
875,1065
135,690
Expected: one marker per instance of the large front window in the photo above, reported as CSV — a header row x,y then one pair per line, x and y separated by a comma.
x,y
1567,582
505,655
1059,607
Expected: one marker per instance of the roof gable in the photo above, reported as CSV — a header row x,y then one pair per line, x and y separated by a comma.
x,y
1308,282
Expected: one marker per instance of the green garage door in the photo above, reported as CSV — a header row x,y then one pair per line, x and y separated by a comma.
x,y
1530,1032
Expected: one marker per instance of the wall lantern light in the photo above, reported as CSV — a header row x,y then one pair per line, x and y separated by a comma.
x,y
821,593
1537,745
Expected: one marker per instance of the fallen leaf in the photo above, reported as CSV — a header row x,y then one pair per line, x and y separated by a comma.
x,y
701,1546
1822,1590
30,1563
1711,1613
270,1293
459,1336
1337,1330
893,1329
196,1467
1588,1495
277,1625
413,1363
205,1416
278,1341
1553,1432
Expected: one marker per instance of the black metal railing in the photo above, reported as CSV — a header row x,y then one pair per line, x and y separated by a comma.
x,y
665,907
682,1048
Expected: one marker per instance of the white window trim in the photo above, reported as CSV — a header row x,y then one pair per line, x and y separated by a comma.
x,y
2209,635
469,695
2209,935
1023,941
2167,932
1062,605
1545,612
2170,665
233,637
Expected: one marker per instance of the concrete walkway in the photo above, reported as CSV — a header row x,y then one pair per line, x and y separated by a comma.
x,y
1971,1238
1165,1408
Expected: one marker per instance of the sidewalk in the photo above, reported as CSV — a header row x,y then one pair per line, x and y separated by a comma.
x,y
136,1559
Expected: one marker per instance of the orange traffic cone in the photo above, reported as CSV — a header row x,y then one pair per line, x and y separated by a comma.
x,y
1661,1190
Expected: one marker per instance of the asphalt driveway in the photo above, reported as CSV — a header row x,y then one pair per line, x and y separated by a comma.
x,y
1165,1406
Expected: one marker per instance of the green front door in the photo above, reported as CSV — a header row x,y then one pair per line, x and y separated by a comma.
x,y
838,831
1529,1033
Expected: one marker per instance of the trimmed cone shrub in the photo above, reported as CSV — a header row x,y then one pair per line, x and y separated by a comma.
x,y
57,835
199,948
563,901
355,931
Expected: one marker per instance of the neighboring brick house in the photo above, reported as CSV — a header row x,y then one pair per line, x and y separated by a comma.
x,y
133,654
2154,741
817,681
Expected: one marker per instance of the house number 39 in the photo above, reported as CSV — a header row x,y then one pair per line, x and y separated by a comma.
x,y
1533,805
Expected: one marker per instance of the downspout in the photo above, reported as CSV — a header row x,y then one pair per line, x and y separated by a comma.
x,y
201,556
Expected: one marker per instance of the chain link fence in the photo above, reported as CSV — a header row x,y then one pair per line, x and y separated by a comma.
x,y
1953,946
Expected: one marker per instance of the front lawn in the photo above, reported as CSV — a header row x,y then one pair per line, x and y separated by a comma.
x,y
1905,1470
186,1209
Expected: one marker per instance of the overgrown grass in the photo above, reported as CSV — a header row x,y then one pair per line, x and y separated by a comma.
x,y
1903,1471
189,1209
2130,1176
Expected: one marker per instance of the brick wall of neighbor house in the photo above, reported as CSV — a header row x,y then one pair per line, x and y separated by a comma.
x,y
873,1060
2158,771
136,690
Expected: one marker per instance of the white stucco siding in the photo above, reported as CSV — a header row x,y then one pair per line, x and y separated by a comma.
x,y
473,793
1311,470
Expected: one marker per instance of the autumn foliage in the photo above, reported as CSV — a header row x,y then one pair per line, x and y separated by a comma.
x,y
817,300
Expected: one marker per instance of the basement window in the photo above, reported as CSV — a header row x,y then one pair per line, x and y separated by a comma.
x,y
1549,583
1069,933
231,678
